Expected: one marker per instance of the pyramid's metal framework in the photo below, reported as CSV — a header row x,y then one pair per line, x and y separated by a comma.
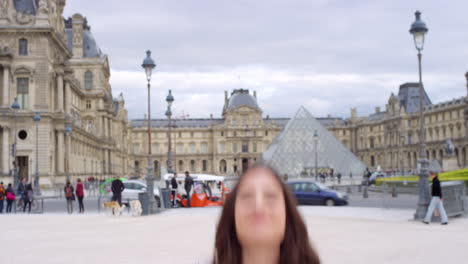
x,y
293,151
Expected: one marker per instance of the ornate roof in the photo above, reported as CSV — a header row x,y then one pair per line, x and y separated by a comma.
x,y
242,97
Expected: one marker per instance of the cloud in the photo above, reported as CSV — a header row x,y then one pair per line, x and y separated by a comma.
x,y
328,55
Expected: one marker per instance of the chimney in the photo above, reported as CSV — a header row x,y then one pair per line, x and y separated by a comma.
x,y
377,109
77,25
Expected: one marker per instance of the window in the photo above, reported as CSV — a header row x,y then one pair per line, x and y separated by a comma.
x,y
180,134
266,133
180,148
221,147
136,148
234,147
192,165
245,147
23,92
181,165
204,163
372,161
222,133
255,147
88,80
204,147
23,47
191,134
88,104
155,148
192,147
255,133
235,133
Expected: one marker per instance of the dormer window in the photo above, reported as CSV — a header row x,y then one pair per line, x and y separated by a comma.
x,y
23,47
88,80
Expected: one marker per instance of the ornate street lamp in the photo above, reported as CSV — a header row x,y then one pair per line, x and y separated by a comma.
x,y
169,100
15,106
148,65
419,30
316,154
37,118
68,131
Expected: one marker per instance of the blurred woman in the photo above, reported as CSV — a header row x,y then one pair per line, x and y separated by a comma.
x,y
261,224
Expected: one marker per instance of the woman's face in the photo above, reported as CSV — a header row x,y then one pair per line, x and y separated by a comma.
x,y
260,213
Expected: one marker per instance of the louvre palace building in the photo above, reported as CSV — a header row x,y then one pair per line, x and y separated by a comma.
x,y
53,66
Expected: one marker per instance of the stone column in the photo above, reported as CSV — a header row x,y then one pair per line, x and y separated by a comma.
x,y
60,152
104,123
67,98
68,155
6,86
5,151
60,92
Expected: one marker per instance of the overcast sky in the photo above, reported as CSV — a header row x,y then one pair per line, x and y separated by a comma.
x,y
328,55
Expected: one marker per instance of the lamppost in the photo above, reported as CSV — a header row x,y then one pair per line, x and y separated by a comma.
x,y
169,100
68,131
15,106
37,118
316,153
419,30
149,65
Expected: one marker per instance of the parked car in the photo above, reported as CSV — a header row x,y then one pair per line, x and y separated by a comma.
x,y
375,176
315,193
133,188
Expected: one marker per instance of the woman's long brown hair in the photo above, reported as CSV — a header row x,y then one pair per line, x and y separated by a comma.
x,y
295,248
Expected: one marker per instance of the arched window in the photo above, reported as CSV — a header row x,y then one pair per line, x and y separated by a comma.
x,y
23,47
88,80
192,165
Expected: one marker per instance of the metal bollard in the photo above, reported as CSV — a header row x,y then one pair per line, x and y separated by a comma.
x,y
348,190
365,194
394,192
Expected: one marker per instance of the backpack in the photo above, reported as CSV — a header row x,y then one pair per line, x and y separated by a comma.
x,y
2,193
68,192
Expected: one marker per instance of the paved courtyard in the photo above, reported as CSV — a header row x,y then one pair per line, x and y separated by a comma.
x,y
341,235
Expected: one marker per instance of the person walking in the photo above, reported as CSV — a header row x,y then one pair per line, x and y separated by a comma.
x,y
117,189
436,200
22,189
28,198
2,197
188,187
339,177
174,187
10,196
80,195
69,196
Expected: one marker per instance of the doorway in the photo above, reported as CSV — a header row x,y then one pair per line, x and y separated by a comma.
x,y
23,167
245,165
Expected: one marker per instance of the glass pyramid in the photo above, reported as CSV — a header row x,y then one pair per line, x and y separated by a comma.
x,y
293,150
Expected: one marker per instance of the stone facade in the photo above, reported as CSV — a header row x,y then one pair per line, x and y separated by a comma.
x,y
54,67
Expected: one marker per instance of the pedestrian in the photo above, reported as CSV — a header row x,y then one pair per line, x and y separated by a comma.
x,y
339,177
2,197
69,196
22,189
117,189
174,186
28,197
285,177
188,186
80,195
260,223
436,200
10,196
